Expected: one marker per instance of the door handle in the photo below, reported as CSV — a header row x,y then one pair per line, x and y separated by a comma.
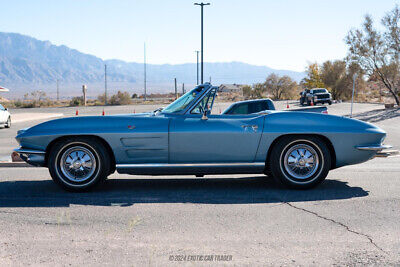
x,y
254,127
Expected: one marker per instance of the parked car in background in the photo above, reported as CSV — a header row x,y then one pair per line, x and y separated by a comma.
x,y
298,149
315,96
261,105
5,117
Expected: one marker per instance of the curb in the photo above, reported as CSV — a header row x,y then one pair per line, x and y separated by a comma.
x,y
6,164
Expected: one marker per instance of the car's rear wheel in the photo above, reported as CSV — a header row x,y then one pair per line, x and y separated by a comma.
x,y
300,162
8,123
78,164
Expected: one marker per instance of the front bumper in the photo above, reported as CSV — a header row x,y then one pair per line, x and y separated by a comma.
x,y
381,150
32,156
322,100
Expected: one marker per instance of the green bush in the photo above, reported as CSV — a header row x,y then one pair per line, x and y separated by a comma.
x,y
121,98
76,101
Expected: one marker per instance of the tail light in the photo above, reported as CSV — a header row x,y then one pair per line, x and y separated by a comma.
x,y
325,112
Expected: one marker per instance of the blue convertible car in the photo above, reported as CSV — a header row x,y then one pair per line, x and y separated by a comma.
x,y
297,148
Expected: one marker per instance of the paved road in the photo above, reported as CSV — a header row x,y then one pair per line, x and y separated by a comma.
x,y
351,219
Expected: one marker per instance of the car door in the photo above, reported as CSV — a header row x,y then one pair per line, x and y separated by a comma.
x,y
218,139
141,140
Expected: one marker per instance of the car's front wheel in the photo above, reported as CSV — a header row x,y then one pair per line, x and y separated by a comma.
x,y
78,164
300,162
8,123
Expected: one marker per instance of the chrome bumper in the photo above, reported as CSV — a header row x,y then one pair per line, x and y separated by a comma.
x,y
32,156
380,150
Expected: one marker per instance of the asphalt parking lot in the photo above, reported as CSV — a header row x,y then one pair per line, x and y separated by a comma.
x,y
353,218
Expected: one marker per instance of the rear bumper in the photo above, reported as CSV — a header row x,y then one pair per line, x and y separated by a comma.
x,y
32,156
381,150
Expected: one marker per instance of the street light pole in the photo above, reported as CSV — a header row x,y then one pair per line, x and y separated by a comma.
x,y
197,66
352,95
202,51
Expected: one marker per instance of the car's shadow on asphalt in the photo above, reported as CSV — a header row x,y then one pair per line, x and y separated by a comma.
x,y
126,192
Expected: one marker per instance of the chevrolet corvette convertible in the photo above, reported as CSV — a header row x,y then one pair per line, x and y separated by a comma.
x,y
298,149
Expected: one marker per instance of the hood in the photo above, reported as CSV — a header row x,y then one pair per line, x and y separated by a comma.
x,y
85,124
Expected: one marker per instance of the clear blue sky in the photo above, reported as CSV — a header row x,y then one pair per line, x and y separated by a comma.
x,y
283,34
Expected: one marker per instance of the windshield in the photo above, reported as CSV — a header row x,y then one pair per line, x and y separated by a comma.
x,y
318,91
182,102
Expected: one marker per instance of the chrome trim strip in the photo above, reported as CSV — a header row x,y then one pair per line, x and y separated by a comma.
x,y
29,151
374,147
162,165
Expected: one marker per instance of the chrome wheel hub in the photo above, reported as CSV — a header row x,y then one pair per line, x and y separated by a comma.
x,y
301,161
78,164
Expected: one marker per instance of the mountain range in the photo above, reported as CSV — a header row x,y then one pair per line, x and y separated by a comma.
x,y
28,64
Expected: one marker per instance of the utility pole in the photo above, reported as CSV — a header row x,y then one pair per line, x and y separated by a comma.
x,y
176,90
197,66
144,66
183,88
105,84
84,90
58,92
202,50
352,95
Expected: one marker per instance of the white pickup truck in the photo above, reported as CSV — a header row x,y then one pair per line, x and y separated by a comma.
x,y
315,96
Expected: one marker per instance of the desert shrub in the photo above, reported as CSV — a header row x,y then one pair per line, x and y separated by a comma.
x,y
76,101
121,98
35,99
101,99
